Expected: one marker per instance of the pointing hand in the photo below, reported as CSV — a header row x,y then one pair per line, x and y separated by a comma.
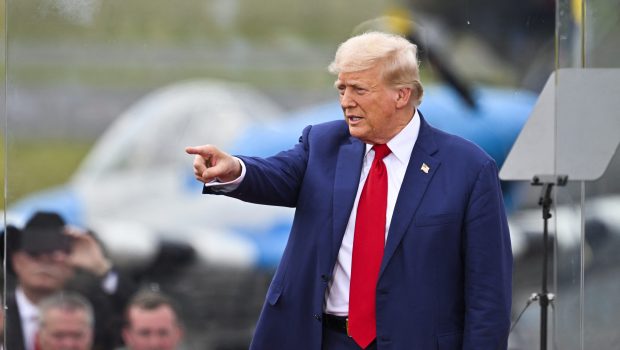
x,y
210,164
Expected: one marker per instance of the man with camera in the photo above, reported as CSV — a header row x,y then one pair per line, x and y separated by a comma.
x,y
48,256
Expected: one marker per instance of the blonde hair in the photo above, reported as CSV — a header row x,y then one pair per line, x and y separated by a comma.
x,y
396,54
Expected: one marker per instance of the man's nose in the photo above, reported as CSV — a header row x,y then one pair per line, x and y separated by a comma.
x,y
52,257
59,256
346,99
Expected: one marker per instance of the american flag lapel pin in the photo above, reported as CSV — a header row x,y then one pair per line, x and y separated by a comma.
x,y
425,168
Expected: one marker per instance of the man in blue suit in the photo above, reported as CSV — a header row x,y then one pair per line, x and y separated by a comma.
x,y
399,240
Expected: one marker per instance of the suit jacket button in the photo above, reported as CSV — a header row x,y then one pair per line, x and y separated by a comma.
x,y
325,278
317,317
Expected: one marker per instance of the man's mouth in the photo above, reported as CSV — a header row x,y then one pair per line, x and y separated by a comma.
x,y
354,118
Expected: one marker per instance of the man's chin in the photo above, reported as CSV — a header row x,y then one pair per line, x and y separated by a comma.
x,y
52,282
356,131
360,136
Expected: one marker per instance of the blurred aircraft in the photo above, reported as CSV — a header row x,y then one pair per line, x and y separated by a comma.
x,y
132,188
136,188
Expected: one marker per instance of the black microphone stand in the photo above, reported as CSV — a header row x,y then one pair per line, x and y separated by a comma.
x,y
544,297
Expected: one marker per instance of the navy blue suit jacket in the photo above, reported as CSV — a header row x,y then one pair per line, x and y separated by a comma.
x,y
445,278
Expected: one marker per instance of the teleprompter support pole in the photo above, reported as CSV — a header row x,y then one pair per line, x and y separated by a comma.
x,y
545,201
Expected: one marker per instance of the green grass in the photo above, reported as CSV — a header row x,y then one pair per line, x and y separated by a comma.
x,y
165,21
147,76
34,165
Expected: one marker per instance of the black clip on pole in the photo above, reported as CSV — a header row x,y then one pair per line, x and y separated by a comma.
x,y
544,297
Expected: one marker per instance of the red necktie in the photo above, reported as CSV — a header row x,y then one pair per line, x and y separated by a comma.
x,y
368,244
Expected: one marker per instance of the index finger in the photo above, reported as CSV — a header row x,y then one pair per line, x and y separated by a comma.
x,y
198,150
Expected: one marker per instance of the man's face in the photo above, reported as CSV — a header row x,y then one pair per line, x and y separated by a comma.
x,y
44,273
65,329
155,329
369,105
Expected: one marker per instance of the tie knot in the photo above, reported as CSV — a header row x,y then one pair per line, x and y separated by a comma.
x,y
381,151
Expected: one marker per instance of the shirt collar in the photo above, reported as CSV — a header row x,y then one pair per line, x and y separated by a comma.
x,y
402,144
27,310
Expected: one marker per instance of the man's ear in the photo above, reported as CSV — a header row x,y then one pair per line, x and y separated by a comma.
x,y
403,97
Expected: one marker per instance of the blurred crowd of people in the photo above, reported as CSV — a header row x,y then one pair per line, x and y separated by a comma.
x,y
64,293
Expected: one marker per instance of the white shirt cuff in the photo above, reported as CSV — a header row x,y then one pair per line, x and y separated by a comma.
x,y
110,282
224,187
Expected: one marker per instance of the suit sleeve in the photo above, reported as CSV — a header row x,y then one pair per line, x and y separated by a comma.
x,y
488,265
274,180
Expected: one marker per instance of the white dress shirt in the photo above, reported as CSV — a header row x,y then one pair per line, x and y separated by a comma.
x,y
401,145
29,317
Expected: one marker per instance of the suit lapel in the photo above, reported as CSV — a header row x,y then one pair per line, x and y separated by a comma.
x,y
14,333
412,189
347,175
